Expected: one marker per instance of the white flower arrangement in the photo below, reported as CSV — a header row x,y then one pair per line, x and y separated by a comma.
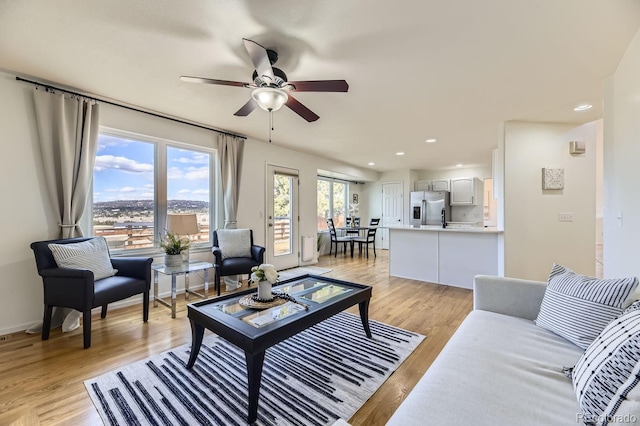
x,y
264,272
353,209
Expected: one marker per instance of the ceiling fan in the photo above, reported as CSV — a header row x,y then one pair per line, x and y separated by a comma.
x,y
270,87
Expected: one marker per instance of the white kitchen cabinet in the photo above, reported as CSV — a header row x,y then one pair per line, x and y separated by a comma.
x,y
463,191
422,185
440,185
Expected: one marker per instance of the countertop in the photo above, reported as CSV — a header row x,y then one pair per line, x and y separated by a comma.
x,y
432,228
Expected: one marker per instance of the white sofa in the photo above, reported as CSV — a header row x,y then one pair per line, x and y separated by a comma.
x,y
499,368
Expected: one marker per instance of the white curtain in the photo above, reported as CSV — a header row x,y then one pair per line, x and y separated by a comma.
x,y
68,133
230,150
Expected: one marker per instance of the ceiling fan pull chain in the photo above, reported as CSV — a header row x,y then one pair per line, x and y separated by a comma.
x,y
270,124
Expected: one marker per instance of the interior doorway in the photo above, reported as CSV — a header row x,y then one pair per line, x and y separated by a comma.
x,y
392,209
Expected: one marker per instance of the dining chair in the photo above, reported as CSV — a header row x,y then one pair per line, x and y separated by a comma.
x,y
355,222
369,238
374,222
335,239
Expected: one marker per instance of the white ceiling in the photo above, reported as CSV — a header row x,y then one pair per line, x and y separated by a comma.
x,y
445,69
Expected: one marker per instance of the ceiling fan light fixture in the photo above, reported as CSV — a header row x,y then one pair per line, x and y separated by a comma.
x,y
270,98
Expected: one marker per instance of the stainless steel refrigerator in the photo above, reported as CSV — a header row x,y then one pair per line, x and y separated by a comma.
x,y
430,208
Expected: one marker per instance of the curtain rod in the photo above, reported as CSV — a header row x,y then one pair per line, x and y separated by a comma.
x,y
343,180
130,107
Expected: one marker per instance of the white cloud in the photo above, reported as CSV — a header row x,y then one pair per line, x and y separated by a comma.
x,y
128,189
121,163
184,191
175,173
106,141
197,173
196,158
201,191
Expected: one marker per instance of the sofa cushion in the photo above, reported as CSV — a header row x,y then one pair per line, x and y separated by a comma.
x,y
606,377
92,254
496,369
234,242
578,307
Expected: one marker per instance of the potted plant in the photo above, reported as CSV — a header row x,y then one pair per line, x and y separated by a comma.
x,y
173,246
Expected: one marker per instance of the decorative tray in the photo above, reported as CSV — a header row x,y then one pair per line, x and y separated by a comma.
x,y
249,302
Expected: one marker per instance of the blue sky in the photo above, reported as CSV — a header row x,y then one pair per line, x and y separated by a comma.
x,y
124,170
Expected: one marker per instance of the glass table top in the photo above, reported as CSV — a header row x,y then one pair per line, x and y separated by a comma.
x,y
182,268
307,291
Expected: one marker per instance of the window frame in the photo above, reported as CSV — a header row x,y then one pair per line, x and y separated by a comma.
x,y
160,188
331,182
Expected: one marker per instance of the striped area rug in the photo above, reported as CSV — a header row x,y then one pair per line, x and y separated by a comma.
x,y
322,374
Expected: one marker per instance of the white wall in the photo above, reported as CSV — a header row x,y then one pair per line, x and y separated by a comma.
x,y
481,172
599,179
621,158
25,217
534,237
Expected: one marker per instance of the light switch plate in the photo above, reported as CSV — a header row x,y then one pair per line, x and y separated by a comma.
x,y
565,217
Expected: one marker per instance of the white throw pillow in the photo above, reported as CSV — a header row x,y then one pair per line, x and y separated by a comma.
x,y
92,254
606,377
234,242
578,307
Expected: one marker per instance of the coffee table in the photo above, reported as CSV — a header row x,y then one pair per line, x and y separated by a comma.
x,y
254,331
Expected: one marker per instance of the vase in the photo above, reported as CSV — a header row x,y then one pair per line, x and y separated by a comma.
x,y
264,290
172,260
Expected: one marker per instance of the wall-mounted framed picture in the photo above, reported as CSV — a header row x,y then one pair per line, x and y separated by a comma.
x,y
552,178
354,198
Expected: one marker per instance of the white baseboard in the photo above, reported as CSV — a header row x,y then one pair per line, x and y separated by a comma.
x,y
133,300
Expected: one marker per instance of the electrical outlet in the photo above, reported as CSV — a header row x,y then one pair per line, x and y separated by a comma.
x,y
565,217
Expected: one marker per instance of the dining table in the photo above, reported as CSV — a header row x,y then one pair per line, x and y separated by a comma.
x,y
362,230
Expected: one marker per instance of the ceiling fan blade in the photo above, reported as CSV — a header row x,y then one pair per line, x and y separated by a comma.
x,y
212,81
247,108
259,58
301,110
320,86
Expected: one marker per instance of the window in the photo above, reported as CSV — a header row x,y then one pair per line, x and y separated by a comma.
x,y
332,199
137,180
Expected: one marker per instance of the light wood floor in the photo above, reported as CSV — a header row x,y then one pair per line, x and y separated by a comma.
x,y
41,382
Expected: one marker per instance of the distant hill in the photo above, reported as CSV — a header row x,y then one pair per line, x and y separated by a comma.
x,y
109,212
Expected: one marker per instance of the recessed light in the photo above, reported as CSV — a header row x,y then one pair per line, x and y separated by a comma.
x,y
458,165
400,153
431,140
583,107
372,164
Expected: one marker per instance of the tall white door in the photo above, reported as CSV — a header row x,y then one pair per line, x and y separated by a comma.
x,y
392,209
282,217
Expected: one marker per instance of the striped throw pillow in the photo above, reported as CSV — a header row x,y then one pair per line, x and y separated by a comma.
x,y
606,377
92,254
578,307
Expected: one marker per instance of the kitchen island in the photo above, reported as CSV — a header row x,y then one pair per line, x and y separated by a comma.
x,y
451,256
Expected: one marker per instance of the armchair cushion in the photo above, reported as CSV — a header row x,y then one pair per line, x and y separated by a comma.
x,y
234,242
92,254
